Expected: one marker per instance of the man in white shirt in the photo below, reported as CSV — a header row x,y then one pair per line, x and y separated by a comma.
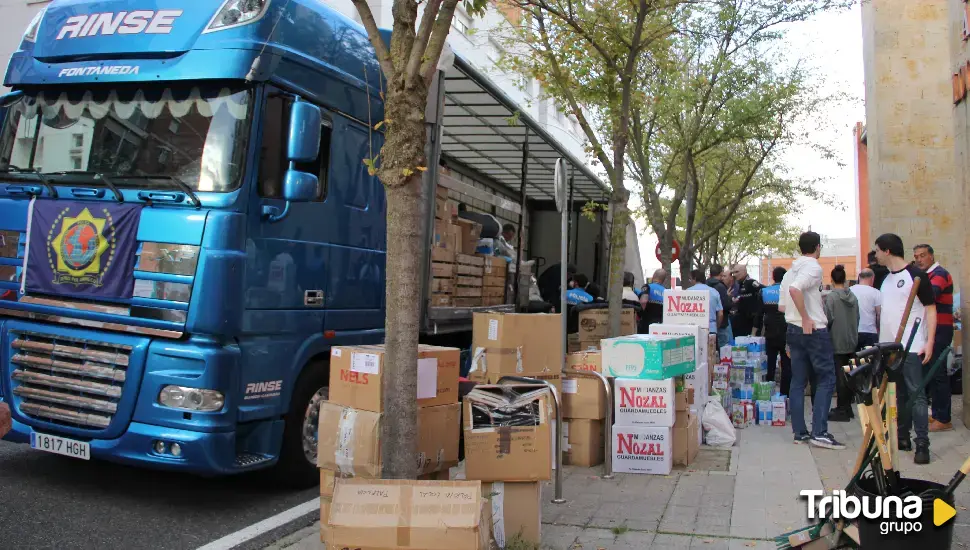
x,y
810,344
896,288
870,307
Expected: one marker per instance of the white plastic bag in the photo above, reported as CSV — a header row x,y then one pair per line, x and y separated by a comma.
x,y
717,426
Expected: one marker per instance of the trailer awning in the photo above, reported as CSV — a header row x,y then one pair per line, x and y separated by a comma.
x,y
486,131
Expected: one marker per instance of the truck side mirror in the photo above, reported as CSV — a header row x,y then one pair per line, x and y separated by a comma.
x,y
303,143
299,186
10,98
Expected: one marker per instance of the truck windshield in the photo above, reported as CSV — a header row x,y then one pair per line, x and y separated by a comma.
x,y
195,134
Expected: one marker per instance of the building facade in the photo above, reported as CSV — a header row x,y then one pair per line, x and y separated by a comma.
x,y
912,185
17,14
835,252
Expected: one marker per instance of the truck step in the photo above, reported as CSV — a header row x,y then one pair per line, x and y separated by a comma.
x,y
248,460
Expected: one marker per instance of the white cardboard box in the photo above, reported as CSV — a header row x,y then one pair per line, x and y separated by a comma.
x,y
644,402
642,450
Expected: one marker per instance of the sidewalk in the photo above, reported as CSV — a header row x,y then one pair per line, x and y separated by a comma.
x,y
743,507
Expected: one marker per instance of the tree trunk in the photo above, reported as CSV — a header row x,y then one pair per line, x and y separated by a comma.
x,y
403,153
621,216
667,256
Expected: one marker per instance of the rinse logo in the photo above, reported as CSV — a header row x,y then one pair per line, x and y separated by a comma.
x,y
898,515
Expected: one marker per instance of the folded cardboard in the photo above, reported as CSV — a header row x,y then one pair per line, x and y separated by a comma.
x,y
518,344
584,442
408,515
639,402
497,452
349,440
594,324
642,450
686,442
648,356
356,372
515,511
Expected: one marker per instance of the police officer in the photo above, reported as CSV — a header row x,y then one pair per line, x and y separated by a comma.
x,y
747,320
652,301
775,329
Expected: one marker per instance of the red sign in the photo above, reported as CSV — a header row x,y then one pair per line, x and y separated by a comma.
x,y
675,252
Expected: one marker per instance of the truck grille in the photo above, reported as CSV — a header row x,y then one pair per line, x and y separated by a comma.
x,y
69,381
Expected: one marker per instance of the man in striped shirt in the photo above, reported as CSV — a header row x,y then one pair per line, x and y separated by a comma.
x,y
943,290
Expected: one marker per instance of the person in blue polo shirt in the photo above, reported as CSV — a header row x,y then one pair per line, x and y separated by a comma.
x,y
652,301
577,293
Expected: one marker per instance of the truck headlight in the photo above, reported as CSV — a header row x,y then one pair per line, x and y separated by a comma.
x,y
191,399
234,13
30,35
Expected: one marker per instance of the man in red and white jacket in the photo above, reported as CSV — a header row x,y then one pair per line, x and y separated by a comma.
x,y
943,290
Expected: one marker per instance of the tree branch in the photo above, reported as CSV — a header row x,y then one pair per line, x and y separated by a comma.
x,y
420,46
436,43
373,33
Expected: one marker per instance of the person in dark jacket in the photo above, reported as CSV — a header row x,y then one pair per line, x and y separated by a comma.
x,y
774,328
724,335
880,271
652,302
747,320
842,311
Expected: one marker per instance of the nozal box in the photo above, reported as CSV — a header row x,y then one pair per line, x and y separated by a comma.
x,y
648,356
356,372
642,450
644,402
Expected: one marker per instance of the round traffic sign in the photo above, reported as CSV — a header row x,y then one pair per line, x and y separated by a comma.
x,y
674,251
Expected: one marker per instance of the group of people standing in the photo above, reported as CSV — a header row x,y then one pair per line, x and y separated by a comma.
x,y
823,332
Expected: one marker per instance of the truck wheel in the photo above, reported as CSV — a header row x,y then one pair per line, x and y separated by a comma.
x,y
297,465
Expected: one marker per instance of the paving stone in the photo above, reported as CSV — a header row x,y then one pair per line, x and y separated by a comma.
x,y
555,537
736,544
708,543
748,530
595,538
633,540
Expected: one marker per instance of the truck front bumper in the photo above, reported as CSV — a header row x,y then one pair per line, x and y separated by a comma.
x,y
205,454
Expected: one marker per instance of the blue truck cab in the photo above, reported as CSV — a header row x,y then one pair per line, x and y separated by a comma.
x,y
238,131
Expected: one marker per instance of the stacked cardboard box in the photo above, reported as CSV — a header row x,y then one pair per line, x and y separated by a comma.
x,y
442,277
699,380
648,390
509,446
594,325
468,280
470,233
350,422
584,411
493,283
444,208
516,344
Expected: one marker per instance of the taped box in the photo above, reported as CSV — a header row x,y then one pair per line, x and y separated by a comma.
x,y
644,402
584,442
584,397
648,356
356,372
686,440
514,511
349,440
507,432
408,515
517,344
642,450
594,324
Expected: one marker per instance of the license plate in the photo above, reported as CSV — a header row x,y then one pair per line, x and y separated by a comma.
x,y
60,446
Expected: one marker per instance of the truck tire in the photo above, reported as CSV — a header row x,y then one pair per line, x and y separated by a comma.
x,y
297,466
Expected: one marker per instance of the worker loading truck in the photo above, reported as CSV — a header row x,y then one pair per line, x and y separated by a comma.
x,y
187,228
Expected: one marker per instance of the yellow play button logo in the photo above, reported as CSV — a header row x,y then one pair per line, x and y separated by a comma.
x,y
942,512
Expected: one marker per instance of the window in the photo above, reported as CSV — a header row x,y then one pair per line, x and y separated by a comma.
x,y
78,140
76,162
459,25
273,164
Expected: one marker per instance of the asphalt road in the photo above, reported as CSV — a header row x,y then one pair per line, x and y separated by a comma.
x,y
50,501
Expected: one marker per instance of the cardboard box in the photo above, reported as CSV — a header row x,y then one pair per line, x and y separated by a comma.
x,y
683,400
572,343
584,442
355,376
508,453
447,235
594,324
687,307
585,360
471,233
648,356
519,344
642,450
496,267
643,402
554,378
515,511
445,209
349,440
405,515
583,397
686,442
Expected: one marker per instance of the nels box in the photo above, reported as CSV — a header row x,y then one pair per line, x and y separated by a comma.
x,y
644,402
356,372
642,450
648,356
